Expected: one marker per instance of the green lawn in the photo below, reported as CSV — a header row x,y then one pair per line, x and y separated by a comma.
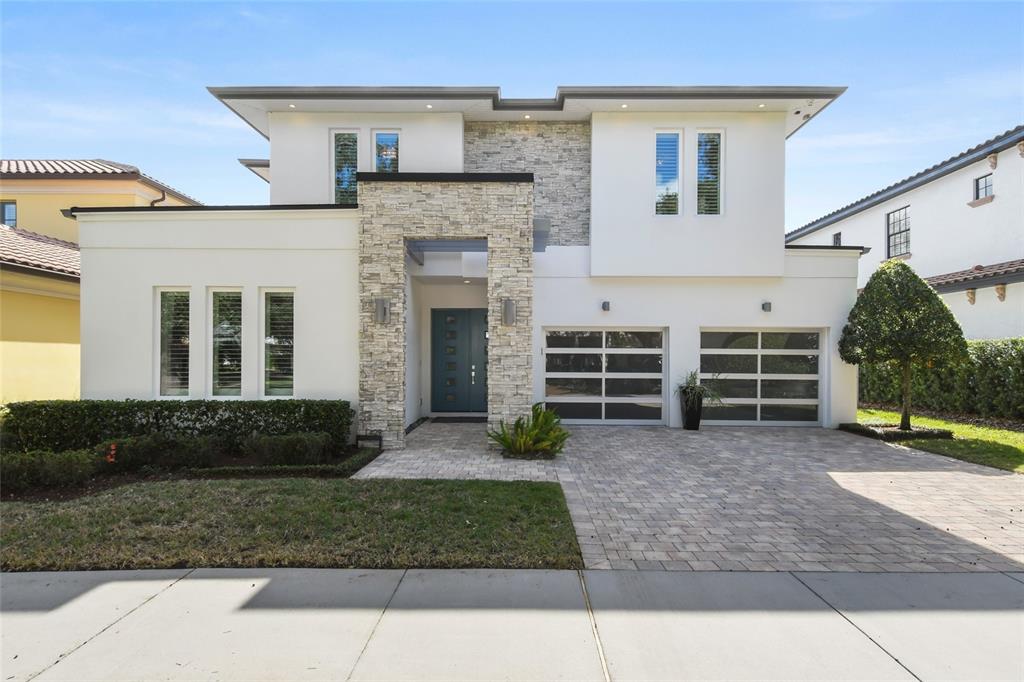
x,y
295,522
999,448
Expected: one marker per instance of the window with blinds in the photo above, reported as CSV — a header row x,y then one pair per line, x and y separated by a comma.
x,y
666,174
709,173
386,152
174,343
278,343
226,334
345,167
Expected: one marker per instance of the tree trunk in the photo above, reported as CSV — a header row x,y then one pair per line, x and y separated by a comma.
x,y
905,417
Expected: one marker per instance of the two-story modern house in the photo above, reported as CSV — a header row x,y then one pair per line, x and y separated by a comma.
x,y
959,224
447,251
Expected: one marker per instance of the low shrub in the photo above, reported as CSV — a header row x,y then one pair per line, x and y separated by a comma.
x,y
156,451
539,436
76,424
288,449
989,382
42,468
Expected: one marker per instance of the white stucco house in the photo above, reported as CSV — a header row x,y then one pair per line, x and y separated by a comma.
x,y
447,251
959,224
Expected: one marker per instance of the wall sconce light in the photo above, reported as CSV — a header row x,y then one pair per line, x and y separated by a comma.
x,y
606,305
766,306
970,295
508,312
381,310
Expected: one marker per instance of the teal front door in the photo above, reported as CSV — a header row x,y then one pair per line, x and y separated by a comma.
x,y
458,360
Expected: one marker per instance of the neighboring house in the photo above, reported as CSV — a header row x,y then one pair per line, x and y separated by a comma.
x,y
448,251
959,224
39,272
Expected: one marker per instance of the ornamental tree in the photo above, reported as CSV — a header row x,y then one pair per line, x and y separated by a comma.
x,y
900,320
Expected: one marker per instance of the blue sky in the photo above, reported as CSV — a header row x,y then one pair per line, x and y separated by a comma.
x,y
127,81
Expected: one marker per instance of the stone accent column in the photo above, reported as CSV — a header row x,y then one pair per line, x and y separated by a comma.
x,y
394,211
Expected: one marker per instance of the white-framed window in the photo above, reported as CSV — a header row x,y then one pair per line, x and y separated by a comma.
x,y
173,336
225,342
616,374
385,150
764,376
277,355
667,153
710,157
344,165
983,186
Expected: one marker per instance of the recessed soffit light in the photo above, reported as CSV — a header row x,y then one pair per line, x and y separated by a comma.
x,y
291,106
526,116
761,106
465,281
430,106
624,106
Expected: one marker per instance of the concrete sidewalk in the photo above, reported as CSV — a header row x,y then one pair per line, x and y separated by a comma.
x,y
307,624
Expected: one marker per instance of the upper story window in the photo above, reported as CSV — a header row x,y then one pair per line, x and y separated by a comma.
x,y
226,337
709,173
837,239
174,342
385,151
278,343
897,227
9,210
346,158
666,174
983,186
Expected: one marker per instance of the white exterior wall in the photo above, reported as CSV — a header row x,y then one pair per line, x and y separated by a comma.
x,y
301,149
988,317
946,235
628,239
126,257
815,293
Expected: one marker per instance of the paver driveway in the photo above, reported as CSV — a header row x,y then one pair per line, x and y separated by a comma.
x,y
769,499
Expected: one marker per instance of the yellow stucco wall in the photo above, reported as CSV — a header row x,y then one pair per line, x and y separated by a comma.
x,y
39,337
40,201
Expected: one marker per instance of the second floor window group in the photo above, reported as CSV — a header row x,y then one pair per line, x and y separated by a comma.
x,y
708,172
346,161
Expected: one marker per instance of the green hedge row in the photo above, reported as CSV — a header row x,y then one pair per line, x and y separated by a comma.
x,y
41,469
990,382
59,425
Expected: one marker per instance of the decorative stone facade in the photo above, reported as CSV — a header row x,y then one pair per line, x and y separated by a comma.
x,y
556,152
394,211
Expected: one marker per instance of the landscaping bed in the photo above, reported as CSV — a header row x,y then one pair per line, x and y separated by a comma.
x,y
299,522
893,432
971,442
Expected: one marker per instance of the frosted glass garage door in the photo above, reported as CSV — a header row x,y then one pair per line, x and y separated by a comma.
x,y
605,375
764,377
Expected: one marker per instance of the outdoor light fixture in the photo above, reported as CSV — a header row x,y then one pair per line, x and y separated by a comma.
x,y
606,305
465,281
526,116
381,310
291,106
625,106
766,306
430,106
508,312
760,106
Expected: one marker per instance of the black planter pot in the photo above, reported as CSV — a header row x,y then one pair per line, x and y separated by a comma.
x,y
691,403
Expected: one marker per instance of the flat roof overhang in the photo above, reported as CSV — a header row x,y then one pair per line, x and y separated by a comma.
x,y
572,103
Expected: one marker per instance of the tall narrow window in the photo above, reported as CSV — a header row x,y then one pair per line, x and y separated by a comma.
x,y
174,343
226,332
345,167
385,152
9,211
982,187
837,239
278,343
709,173
897,227
666,174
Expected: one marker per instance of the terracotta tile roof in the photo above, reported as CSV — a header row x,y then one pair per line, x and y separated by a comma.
x,y
32,250
93,169
978,272
964,158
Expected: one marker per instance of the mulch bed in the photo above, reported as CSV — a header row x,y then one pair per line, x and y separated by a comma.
x,y
892,432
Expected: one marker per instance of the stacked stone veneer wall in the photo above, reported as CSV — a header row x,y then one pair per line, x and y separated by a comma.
x,y
557,153
393,212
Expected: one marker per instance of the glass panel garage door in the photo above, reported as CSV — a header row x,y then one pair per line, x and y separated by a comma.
x,y
605,375
764,377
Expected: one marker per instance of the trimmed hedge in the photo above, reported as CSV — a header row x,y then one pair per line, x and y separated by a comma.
x,y
291,449
40,468
59,425
156,451
990,382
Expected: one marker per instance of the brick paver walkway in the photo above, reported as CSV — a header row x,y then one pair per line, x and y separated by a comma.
x,y
771,499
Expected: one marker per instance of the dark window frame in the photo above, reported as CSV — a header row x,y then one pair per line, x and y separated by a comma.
x,y
837,239
894,237
988,186
3,212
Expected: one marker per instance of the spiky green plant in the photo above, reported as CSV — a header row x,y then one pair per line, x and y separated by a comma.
x,y
540,435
